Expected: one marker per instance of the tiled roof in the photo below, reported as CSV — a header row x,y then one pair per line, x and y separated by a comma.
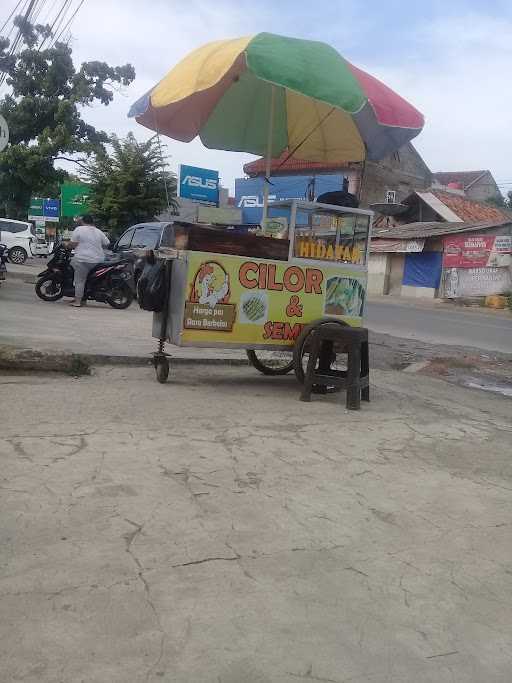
x,y
467,178
291,165
433,229
469,210
466,209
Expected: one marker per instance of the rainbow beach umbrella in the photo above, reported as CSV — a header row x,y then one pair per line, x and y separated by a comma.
x,y
268,94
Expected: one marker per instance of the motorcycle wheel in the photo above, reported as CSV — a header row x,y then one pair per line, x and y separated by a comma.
x,y
120,296
49,289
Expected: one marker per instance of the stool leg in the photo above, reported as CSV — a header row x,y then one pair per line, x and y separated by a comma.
x,y
308,379
325,359
365,369
353,378
324,362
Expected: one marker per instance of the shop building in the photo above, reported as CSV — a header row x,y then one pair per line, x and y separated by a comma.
x,y
392,179
443,245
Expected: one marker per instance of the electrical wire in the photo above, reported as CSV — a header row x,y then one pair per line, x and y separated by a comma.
x,y
49,13
38,11
59,23
10,16
13,26
70,21
18,40
52,27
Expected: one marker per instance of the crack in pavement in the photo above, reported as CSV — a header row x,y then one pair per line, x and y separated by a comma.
x,y
309,676
129,539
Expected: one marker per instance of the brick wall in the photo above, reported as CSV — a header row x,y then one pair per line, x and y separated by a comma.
x,y
483,189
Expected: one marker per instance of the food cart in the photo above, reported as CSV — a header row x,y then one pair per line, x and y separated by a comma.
x,y
264,293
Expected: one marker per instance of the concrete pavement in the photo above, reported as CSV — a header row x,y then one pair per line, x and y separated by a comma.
x,y
217,530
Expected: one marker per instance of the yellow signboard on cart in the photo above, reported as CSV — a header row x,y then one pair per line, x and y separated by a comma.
x,y
237,301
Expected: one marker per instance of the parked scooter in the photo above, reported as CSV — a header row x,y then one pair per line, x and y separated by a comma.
x,y
3,262
110,282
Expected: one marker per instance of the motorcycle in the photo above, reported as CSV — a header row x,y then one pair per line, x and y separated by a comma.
x,y
109,282
3,261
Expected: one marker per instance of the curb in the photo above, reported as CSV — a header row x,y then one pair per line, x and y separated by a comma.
x,y
15,359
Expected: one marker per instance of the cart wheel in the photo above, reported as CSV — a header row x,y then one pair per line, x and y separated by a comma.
x,y
271,362
302,345
161,369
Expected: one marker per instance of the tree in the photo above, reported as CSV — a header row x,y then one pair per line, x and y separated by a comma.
x,y
500,201
44,113
129,185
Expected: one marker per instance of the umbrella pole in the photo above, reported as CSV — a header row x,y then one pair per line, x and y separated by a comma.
x,y
269,154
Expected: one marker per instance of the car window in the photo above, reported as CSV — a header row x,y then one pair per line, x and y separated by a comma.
x,y
124,240
146,237
11,226
167,236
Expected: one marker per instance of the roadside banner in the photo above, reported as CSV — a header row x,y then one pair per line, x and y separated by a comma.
x,y
35,209
199,184
397,246
462,282
74,199
249,191
41,209
476,251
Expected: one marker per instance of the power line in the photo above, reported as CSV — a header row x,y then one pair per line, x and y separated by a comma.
x,y
39,10
70,21
52,27
23,7
11,15
18,39
50,12
58,24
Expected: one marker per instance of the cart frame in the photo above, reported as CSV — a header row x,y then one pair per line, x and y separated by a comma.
x,y
162,320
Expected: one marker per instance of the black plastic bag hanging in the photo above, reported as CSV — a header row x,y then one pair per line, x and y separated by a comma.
x,y
151,287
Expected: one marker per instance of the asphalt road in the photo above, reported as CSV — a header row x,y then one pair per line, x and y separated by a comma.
x,y
27,321
488,330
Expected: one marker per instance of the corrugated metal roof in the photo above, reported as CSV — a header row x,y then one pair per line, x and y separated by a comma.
x,y
434,229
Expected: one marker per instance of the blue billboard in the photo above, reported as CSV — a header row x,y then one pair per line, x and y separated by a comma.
x,y
199,184
51,209
249,191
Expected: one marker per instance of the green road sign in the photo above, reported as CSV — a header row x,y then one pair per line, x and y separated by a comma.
x,y
73,199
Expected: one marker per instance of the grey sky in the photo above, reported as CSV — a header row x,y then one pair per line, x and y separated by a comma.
x,y
452,61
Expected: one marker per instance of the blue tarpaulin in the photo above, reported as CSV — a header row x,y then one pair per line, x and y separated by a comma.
x,y
423,269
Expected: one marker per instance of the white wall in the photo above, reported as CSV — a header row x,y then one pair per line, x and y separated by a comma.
x,y
377,273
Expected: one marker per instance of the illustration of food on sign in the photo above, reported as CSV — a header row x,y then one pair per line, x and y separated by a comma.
x,y
211,285
344,296
253,307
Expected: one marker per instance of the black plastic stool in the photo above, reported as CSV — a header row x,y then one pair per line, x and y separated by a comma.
x,y
356,379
